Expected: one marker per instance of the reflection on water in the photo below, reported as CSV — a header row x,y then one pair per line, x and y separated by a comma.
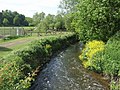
x,y
65,72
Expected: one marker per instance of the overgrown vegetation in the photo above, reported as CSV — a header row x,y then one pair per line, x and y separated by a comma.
x,y
9,18
97,20
11,37
104,58
90,50
49,22
18,69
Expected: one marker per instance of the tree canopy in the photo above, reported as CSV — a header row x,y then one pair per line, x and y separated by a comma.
x,y
92,19
9,18
48,22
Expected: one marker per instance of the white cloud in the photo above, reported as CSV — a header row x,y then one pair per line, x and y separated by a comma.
x,y
29,7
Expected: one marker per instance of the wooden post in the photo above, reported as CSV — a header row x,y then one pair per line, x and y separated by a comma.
x,y
4,32
10,31
17,31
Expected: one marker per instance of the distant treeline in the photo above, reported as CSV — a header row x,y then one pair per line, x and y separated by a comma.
x,y
40,20
9,18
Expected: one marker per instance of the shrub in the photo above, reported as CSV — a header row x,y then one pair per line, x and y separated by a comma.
x,y
17,70
91,48
108,60
11,37
97,19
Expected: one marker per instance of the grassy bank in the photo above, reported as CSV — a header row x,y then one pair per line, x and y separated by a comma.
x,y
104,58
6,46
18,69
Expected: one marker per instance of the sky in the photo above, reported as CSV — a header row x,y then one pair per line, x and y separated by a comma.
x,y
30,7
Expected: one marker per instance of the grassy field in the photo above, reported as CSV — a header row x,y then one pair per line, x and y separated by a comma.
x,y
13,30
8,46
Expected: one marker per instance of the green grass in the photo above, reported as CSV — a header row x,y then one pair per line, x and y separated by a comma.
x,y
5,51
18,69
12,30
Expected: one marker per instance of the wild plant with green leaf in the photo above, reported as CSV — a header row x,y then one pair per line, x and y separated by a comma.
x,y
97,19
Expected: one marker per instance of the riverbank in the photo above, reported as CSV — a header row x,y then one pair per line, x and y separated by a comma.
x,y
103,58
18,69
65,72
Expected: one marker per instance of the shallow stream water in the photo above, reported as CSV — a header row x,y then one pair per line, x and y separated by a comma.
x,y
65,72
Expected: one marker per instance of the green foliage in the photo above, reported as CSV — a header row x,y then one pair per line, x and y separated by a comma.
x,y
115,85
38,17
90,50
59,22
29,20
68,6
17,70
67,9
42,27
16,21
11,37
109,57
0,19
97,19
5,22
9,18
50,22
69,25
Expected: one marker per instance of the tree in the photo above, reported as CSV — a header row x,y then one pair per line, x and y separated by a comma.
x,y
5,22
47,23
29,20
8,15
97,19
68,6
16,21
42,27
69,22
22,19
50,21
25,23
59,22
11,17
1,19
38,17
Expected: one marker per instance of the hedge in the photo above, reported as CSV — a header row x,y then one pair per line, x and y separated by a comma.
x,y
18,69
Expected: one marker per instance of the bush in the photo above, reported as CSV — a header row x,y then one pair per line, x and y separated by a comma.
x,y
91,48
102,58
11,37
108,60
17,70
97,19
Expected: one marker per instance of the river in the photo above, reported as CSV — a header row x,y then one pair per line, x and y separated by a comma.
x,y
65,72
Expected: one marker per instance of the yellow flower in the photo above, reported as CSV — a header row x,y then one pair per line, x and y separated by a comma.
x,y
91,48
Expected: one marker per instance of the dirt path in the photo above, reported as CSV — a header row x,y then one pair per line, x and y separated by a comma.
x,y
20,41
15,43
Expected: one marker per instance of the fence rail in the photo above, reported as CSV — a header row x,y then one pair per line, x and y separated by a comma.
x,y
22,31
12,31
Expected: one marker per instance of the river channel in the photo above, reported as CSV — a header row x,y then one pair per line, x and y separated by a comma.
x,y
65,72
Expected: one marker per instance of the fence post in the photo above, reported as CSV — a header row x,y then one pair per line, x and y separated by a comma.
x,y
10,31
4,32
17,31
